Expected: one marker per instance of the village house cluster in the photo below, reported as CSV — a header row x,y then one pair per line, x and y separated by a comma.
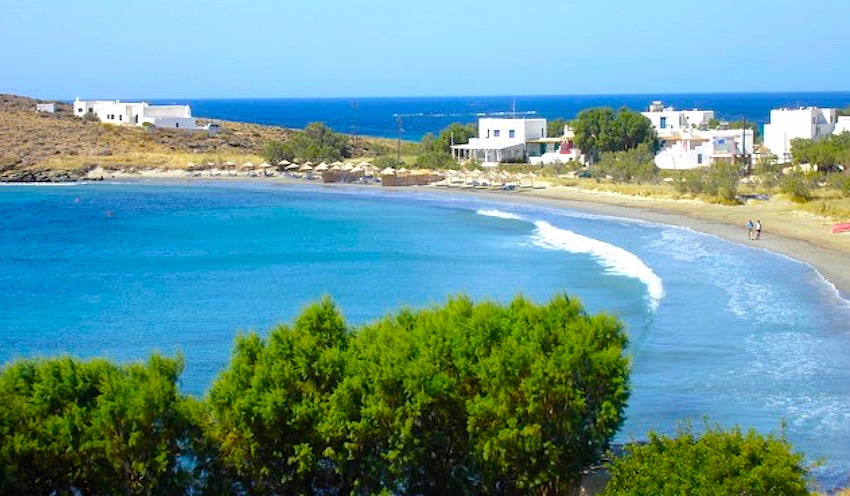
x,y
686,140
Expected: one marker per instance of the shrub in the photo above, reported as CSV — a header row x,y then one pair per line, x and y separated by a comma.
x,y
717,462
797,186
840,182
435,160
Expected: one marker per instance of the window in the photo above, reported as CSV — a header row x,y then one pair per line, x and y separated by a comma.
x,y
511,134
663,123
699,158
176,124
495,133
120,117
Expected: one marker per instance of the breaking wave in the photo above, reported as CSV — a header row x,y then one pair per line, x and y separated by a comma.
x,y
499,214
614,259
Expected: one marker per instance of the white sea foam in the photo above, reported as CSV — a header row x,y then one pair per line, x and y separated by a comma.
x,y
498,214
616,260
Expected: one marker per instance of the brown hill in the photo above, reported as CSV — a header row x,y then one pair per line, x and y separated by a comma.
x,y
43,146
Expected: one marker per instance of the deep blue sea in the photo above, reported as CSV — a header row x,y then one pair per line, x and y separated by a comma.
x,y
379,116
724,330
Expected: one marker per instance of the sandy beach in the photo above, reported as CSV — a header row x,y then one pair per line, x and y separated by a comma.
x,y
802,237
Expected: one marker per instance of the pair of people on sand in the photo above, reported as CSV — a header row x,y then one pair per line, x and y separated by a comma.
x,y
751,227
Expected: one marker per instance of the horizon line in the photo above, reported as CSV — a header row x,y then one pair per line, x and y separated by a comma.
x,y
421,96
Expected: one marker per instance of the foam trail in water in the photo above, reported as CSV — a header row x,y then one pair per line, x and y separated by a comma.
x,y
499,214
615,259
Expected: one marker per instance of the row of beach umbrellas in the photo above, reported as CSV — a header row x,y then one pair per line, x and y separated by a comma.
x,y
366,168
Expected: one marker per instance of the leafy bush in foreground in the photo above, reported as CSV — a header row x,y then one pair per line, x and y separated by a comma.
x,y
73,427
719,462
461,399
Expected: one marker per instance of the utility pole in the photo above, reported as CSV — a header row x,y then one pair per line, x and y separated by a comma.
x,y
744,143
398,144
356,120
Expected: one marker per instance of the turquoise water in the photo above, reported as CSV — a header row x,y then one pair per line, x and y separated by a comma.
x,y
733,332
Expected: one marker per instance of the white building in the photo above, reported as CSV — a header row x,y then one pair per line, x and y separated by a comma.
x,y
501,140
137,113
787,124
693,148
46,107
554,150
842,124
667,120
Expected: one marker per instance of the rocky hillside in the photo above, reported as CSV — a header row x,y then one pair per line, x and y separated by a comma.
x,y
42,146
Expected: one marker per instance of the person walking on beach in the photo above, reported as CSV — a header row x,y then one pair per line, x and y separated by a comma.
x,y
750,229
758,229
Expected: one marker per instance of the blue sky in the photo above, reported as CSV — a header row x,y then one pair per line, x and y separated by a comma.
x,y
297,48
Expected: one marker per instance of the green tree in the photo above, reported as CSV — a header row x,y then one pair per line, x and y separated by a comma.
x,y
316,142
722,179
636,164
594,132
555,127
718,462
600,130
797,186
70,427
266,407
456,133
827,154
631,129
483,399
274,151
460,399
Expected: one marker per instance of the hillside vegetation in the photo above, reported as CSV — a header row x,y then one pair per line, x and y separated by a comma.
x,y
52,145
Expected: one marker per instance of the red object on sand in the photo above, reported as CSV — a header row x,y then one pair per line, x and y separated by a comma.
x,y
840,227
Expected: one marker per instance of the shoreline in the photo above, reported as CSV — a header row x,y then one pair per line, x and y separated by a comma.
x,y
792,235
830,262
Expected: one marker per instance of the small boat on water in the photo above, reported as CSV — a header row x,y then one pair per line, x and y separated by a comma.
x,y
840,227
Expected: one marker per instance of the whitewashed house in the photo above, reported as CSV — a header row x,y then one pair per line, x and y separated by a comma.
x,y
49,108
137,113
500,140
669,120
685,142
693,148
787,124
515,140
554,150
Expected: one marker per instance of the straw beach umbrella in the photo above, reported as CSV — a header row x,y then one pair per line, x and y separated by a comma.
x,y
388,171
306,167
321,167
292,167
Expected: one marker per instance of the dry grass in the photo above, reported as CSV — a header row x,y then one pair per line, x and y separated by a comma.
x,y
63,142
833,208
